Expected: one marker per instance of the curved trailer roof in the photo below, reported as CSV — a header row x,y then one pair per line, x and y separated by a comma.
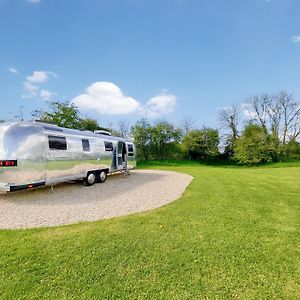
x,y
75,132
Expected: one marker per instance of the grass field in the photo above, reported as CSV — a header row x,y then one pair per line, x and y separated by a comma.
x,y
234,233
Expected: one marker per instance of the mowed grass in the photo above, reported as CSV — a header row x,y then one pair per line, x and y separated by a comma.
x,y
234,233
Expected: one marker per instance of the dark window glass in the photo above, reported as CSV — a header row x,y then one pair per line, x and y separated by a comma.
x,y
130,153
130,148
108,146
57,142
86,145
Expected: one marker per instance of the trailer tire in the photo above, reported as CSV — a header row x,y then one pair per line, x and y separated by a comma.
x,y
90,179
102,176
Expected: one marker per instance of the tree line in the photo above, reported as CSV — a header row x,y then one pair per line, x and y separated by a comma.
x,y
265,128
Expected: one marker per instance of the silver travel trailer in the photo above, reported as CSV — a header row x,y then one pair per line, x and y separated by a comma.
x,y
34,154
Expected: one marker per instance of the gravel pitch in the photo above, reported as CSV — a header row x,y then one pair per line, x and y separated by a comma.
x,y
72,202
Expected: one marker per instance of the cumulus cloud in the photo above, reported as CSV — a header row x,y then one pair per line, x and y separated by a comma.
x,y
37,77
40,76
107,98
295,39
32,89
13,70
33,82
159,105
46,95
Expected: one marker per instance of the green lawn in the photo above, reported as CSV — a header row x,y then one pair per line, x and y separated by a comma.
x,y
234,233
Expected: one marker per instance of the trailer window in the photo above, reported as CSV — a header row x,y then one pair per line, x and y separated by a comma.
x,y
86,145
57,142
130,150
108,146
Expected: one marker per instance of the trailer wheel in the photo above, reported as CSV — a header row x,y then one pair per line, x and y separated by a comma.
x,y
102,176
90,179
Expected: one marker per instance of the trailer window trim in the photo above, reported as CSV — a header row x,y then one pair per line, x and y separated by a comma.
x,y
85,145
56,142
108,146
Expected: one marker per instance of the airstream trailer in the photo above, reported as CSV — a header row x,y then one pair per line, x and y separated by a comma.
x,y
34,154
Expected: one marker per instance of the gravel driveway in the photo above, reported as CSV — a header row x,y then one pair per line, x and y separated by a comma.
x,y
72,202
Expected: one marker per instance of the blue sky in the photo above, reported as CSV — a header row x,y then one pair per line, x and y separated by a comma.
x,y
127,59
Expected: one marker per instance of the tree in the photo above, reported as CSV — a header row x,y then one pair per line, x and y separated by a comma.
x,y
254,146
201,144
164,140
89,124
124,128
291,116
229,119
291,150
158,141
66,114
187,125
258,109
63,114
141,133
278,114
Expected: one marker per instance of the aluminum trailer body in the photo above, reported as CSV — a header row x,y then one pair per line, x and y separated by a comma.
x,y
34,154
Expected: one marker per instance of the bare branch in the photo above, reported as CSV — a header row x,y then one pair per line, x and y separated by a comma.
x,y
187,125
229,118
124,128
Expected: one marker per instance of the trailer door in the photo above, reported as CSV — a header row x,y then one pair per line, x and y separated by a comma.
x,y
121,156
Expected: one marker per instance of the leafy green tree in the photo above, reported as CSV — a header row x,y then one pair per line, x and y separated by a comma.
x,y
66,114
158,141
291,150
164,140
89,124
63,114
228,152
141,132
201,144
254,146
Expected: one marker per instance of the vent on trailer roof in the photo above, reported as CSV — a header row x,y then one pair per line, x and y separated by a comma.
x,y
46,122
104,132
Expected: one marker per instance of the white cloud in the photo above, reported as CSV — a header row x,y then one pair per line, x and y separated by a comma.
x,y
46,95
33,82
159,105
34,1
13,70
38,76
107,98
30,88
295,39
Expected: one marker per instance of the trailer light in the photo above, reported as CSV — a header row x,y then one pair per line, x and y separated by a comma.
x,y
30,186
8,163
